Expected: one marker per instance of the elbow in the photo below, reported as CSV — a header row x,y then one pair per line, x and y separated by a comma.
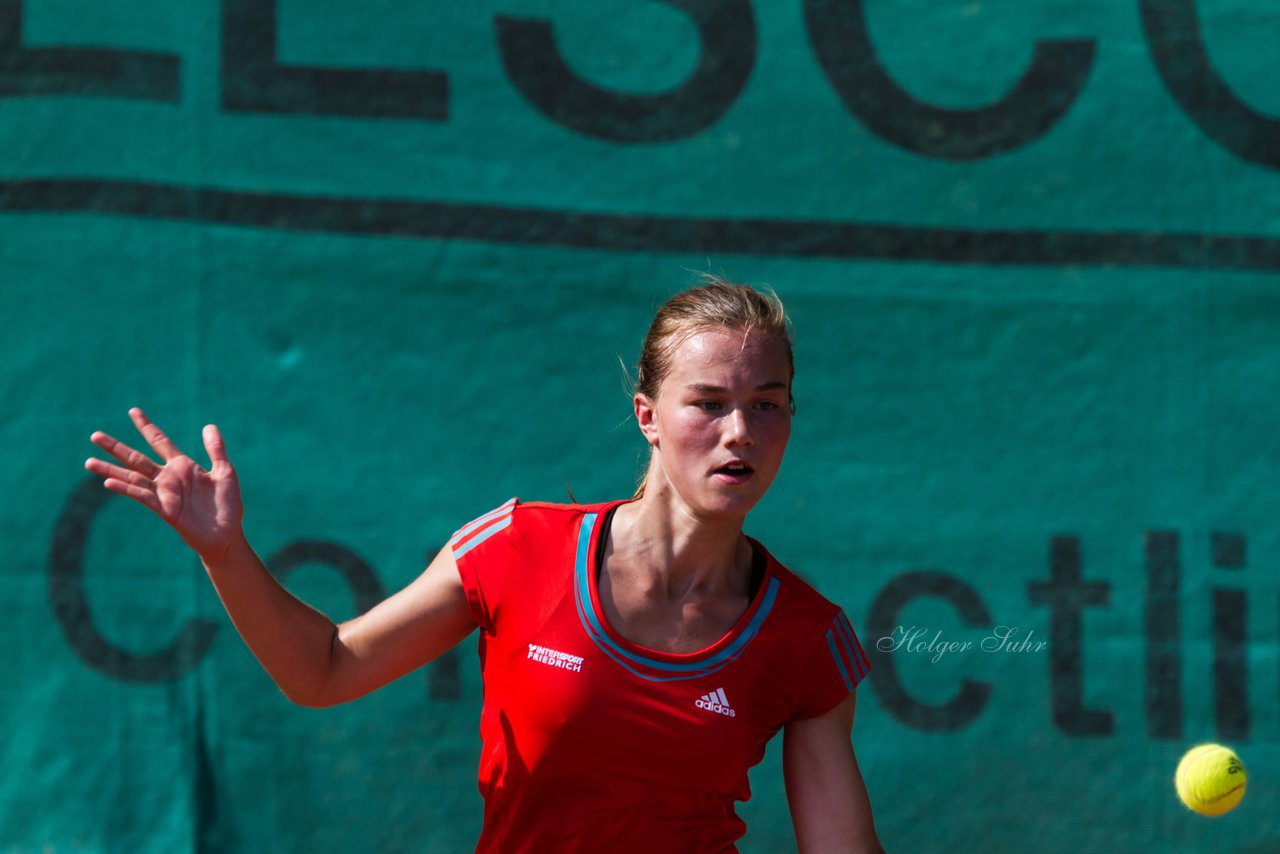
x,y
315,696
313,690
307,700
307,697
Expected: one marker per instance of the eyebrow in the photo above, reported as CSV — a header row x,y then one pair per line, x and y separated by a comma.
x,y
704,388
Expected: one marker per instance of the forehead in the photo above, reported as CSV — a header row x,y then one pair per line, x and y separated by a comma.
x,y
720,355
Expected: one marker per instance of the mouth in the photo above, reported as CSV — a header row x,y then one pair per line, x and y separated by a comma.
x,y
735,472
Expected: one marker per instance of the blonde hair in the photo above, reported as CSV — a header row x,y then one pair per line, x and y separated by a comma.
x,y
715,304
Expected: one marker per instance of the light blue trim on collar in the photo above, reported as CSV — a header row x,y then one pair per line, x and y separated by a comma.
x,y
637,663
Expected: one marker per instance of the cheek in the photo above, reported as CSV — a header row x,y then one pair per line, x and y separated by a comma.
x,y
688,426
777,436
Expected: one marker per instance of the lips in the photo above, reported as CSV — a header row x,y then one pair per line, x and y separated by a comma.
x,y
735,469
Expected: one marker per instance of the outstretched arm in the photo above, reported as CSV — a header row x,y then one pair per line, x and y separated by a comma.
x,y
314,661
829,805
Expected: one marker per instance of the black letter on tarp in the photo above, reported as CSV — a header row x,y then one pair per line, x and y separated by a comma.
x,y
1067,594
727,29
883,620
92,72
1177,48
366,590
1164,636
254,82
1230,643
71,604
1048,88
1230,664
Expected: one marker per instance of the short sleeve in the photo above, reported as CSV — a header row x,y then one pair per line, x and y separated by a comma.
x,y
483,550
834,669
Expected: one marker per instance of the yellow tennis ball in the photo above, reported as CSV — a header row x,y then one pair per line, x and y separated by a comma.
x,y
1210,779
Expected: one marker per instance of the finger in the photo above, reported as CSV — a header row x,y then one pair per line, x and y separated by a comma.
x,y
213,444
145,497
135,460
154,435
104,469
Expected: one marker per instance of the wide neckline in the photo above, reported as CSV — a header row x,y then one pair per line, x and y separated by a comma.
x,y
628,652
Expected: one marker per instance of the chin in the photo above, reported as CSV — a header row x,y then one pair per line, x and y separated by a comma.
x,y
729,505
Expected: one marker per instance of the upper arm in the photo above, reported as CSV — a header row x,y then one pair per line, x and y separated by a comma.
x,y
829,805
404,632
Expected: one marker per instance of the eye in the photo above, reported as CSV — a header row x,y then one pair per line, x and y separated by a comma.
x,y
767,405
708,405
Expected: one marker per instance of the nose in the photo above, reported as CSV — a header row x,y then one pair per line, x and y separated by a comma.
x,y
737,428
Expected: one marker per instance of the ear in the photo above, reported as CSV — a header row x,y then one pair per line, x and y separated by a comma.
x,y
647,418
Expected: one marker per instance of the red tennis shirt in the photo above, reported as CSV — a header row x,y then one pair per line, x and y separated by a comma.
x,y
592,743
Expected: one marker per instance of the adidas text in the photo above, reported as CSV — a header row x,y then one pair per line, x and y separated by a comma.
x,y
716,702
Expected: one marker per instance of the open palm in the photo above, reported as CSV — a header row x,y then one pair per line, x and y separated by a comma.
x,y
203,506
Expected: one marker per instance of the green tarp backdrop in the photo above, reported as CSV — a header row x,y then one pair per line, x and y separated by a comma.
x,y
396,251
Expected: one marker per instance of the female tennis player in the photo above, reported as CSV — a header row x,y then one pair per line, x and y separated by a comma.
x,y
636,655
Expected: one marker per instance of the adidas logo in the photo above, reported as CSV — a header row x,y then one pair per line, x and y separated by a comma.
x,y
716,702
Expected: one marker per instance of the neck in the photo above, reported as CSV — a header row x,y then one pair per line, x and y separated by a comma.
x,y
678,551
